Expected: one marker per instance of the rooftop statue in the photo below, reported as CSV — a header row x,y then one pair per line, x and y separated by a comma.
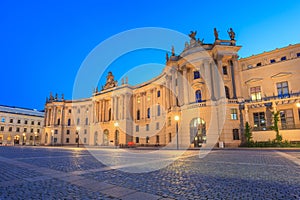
x,y
193,35
216,34
110,81
231,34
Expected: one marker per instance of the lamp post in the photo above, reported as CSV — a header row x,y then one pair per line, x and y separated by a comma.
x,y
116,124
35,134
177,119
52,137
298,105
24,135
77,132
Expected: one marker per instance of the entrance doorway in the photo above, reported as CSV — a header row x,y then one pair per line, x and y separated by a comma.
x,y
96,138
197,132
17,139
116,138
105,137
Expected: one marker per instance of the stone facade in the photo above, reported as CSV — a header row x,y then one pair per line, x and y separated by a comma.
x,y
212,92
20,126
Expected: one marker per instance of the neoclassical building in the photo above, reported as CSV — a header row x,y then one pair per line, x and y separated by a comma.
x,y
20,126
203,96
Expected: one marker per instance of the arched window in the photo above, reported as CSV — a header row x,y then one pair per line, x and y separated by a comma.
x,y
227,93
138,115
69,122
198,96
148,113
109,114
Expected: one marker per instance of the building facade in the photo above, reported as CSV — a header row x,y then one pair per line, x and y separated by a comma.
x,y
20,126
203,96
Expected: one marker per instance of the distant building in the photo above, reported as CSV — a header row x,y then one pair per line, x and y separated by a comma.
x,y
20,126
205,85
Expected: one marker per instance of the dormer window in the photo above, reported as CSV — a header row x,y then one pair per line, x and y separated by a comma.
x,y
283,58
258,64
272,61
298,54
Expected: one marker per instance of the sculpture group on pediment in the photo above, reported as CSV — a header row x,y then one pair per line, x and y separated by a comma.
x,y
110,81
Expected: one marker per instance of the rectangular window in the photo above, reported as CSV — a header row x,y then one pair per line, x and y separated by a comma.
x,y
25,122
67,140
2,128
25,130
31,130
272,61
299,113
283,58
258,64
158,93
10,129
225,72
3,119
157,139
39,123
158,110
32,122
137,128
147,127
70,111
11,121
76,140
235,134
38,130
298,54
19,121
157,125
259,120
196,74
255,93
169,121
18,129
287,119
55,131
85,131
283,89
55,140
84,140
137,140
234,114
68,132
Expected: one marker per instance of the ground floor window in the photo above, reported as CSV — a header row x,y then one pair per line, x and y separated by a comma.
x,y
157,139
287,119
259,120
137,140
67,140
147,139
235,134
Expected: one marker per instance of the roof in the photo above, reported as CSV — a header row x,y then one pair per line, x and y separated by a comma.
x,y
22,111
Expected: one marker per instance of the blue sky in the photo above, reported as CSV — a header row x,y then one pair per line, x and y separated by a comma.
x,y
43,43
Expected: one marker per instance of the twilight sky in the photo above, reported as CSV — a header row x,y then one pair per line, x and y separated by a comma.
x,y
44,43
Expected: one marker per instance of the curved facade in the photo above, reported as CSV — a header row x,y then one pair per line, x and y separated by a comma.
x,y
212,92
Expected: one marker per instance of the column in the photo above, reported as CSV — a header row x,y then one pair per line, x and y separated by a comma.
x,y
134,107
233,79
185,86
237,77
246,114
173,88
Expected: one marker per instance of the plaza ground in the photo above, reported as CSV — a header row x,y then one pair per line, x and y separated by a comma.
x,y
74,173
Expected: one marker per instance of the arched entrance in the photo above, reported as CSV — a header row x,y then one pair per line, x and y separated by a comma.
x,y
116,138
197,132
96,138
105,137
17,139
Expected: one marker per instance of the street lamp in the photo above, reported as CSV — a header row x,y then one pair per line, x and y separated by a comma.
x,y
52,137
176,119
35,134
298,105
116,124
77,132
24,135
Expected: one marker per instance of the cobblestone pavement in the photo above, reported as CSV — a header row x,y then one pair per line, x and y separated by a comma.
x,y
71,173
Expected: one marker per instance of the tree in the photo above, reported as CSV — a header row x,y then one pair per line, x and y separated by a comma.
x,y
248,133
275,126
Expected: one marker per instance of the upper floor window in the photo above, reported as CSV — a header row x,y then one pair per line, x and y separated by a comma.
x,y
227,92
158,110
78,111
157,125
282,89
198,96
147,127
19,121
10,129
69,122
196,74
68,132
18,129
25,130
138,113
272,61
148,113
38,130
3,119
11,121
78,121
39,123
234,114
25,122
236,134
148,97
158,93
138,99
2,128
32,122
169,121
283,58
298,54
58,121
109,114
224,69
255,93
86,121
137,128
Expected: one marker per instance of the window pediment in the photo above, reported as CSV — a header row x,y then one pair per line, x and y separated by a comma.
x,y
253,80
281,74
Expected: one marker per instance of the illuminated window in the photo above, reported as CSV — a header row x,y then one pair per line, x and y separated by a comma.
x,y
196,74
225,72
148,97
283,89
255,93
139,99
259,119
233,114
